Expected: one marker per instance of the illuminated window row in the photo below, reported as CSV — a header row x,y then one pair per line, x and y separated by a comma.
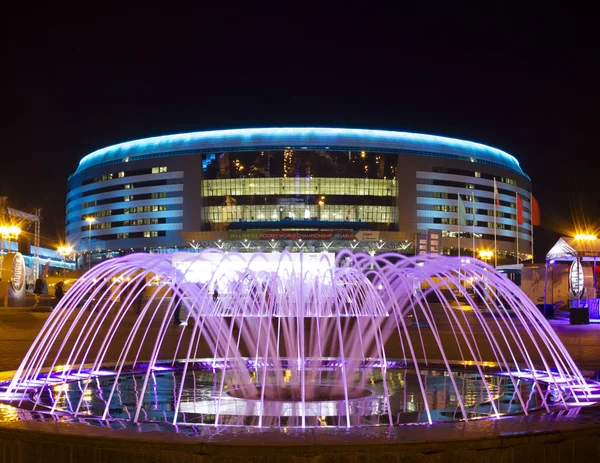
x,y
328,213
469,210
469,223
478,199
122,236
117,199
470,173
127,210
135,210
299,185
126,223
129,173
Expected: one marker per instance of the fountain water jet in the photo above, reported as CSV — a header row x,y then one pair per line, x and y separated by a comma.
x,y
295,341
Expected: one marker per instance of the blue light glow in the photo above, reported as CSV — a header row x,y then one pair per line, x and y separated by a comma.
x,y
299,138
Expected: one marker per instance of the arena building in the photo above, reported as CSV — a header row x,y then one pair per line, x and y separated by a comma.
x,y
310,189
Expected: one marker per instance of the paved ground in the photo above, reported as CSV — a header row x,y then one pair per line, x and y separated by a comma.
x,y
19,326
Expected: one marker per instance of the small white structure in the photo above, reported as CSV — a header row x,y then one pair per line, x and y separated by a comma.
x,y
572,273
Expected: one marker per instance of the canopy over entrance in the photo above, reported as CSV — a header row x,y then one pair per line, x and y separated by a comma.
x,y
569,249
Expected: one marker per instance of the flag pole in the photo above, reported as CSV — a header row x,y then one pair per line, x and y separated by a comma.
x,y
517,228
458,238
496,199
531,215
473,228
458,223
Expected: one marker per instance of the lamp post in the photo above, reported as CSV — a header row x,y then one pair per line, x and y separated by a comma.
x,y
485,255
65,251
90,221
7,232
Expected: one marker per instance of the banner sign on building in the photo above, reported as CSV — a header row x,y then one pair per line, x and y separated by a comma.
x,y
367,235
261,235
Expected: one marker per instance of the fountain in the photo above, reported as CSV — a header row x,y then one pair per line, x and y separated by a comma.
x,y
292,340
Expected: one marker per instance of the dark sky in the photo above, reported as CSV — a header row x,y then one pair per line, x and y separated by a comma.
x,y
523,80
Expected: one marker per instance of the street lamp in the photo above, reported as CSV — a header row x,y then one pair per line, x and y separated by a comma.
x,y
485,255
90,221
9,231
65,251
585,237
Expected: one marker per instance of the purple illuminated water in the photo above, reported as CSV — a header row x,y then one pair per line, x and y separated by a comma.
x,y
315,339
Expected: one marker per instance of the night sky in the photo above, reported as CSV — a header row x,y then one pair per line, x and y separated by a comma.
x,y
524,81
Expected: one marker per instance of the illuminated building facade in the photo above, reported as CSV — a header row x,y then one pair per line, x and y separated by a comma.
x,y
315,189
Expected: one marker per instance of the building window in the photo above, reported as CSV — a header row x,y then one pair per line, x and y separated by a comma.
x,y
159,170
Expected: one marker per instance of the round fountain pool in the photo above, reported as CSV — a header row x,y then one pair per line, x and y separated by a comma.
x,y
324,353
284,402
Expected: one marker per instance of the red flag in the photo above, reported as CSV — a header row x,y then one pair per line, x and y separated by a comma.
x,y
535,212
496,197
520,216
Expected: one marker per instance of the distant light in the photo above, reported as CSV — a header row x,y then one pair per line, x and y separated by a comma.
x,y
486,254
552,261
585,237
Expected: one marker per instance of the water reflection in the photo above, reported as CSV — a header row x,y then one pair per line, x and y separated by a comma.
x,y
200,399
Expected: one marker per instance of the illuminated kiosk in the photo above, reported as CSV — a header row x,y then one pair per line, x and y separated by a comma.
x,y
296,189
572,277
298,343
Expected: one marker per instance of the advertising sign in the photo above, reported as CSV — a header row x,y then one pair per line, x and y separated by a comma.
x,y
532,283
367,235
258,235
13,278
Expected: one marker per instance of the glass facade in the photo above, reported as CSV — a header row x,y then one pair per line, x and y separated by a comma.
x,y
291,186
299,186
300,212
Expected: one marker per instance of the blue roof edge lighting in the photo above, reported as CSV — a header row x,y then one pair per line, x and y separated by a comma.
x,y
298,138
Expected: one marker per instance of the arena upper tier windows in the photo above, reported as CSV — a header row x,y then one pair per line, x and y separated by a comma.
x,y
300,164
128,173
297,213
300,186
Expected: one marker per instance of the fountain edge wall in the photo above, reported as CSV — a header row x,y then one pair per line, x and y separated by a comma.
x,y
514,439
